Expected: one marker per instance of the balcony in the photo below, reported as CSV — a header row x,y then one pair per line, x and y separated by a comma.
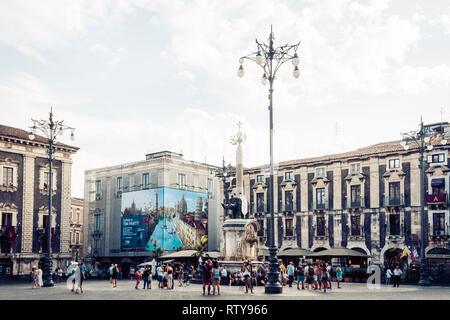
x,y
439,235
392,201
437,199
357,202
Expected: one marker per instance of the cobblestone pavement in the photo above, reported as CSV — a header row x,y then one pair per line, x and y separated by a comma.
x,y
102,289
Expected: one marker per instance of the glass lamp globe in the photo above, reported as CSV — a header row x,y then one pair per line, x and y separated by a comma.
x,y
31,135
259,58
403,143
295,60
430,147
240,71
296,73
72,137
264,80
444,141
406,147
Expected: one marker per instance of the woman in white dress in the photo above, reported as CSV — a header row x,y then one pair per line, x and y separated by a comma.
x,y
77,278
39,281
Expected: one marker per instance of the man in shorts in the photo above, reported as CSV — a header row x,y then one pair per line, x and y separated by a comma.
x,y
300,276
206,276
159,272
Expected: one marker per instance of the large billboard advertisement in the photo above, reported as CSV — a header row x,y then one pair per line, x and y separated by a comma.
x,y
166,218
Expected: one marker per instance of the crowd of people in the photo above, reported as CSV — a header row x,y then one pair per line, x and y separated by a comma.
x,y
317,275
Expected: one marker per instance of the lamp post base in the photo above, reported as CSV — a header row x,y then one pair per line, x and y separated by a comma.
x,y
273,286
48,267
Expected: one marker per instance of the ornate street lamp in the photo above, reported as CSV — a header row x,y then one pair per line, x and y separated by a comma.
x,y
270,60
423,141
52,129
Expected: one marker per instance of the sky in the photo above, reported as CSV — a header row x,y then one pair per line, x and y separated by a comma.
x,y
140,76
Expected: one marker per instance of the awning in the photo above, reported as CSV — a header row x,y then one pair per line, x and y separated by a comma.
x,y
438,182
295,252
339,252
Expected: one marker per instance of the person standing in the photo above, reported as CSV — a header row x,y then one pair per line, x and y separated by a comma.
x,y
397,276
224,276
389,275
290,273
145,277
206,276
216,277
33,277
283,274
39,277
111,273
60,274
159,272
338,275
131,273
137,276
329,273
300,276
180,275
82,271
325,276
169,277
246,271
114,274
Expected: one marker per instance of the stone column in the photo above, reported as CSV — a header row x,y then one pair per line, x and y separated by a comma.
x,y
28,204
65,207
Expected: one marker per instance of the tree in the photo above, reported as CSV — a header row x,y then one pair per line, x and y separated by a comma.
x,y
158,252
199,250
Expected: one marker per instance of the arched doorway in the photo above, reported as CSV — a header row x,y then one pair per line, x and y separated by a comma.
x,y
392,258
359,261
438,260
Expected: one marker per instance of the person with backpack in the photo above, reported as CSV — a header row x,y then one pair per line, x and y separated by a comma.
x,y
300,276
290,273
216,277
114,274
311,281
338,275
330,274
325,276
206,276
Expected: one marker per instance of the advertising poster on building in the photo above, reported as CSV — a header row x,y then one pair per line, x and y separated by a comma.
x,y
166,218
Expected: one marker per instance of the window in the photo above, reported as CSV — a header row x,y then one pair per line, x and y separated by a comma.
x,y
355,168
46,180
289,228
260,202
98,186
289,200
436,158
97,222
355,195
394,193
6,219
96,244
78,216
77,237
261,228
438,186
355,225
45,221
70,239
320,226
288,175
145,180
260,178
439,223
320,172
394,224
7,176
181,180
320,197
394,163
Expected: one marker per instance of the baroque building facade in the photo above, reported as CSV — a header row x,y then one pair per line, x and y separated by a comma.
x,y
103,192
24,192
367,200
76,228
